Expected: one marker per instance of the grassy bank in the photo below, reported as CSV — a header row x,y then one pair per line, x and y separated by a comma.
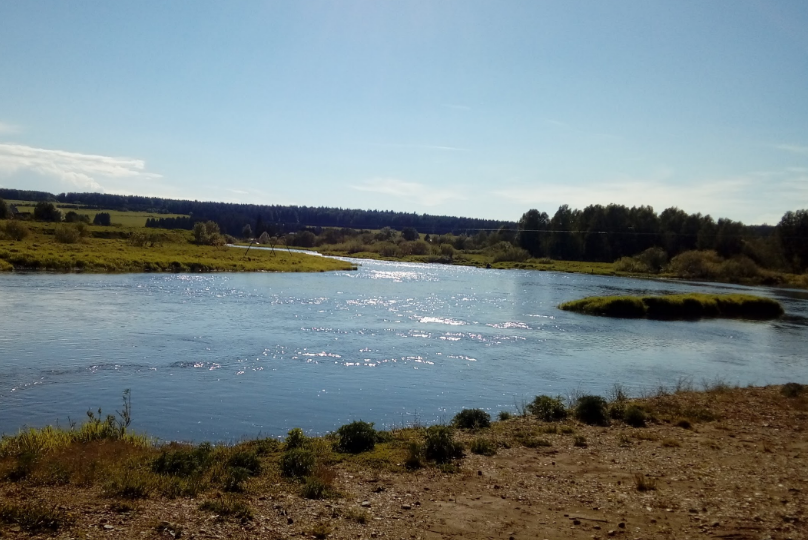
x,y
556,459
678,306
88,248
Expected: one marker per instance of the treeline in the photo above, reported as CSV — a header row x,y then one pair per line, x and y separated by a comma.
x,y
609,233
274,219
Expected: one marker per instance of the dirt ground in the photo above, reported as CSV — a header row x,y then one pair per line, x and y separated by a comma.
x,y
743,475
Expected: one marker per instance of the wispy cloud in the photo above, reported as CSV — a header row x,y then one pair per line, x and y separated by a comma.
x,y
84,171
793,148
410,191
7,129
421,146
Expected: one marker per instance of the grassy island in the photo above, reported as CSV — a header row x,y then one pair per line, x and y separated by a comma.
x,y
678,306
67,247
673,463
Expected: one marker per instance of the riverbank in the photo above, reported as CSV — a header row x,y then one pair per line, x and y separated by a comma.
x,y
97,249
482,260
726,462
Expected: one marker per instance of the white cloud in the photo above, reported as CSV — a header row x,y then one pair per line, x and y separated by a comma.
x,y
793,148
410,191
6,128
82,171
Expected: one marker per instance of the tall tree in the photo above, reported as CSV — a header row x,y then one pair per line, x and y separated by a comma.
x,y
532,227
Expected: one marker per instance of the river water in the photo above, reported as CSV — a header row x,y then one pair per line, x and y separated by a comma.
x,y
226,356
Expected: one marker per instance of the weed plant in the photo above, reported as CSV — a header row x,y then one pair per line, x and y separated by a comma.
x,y
484,447
34,518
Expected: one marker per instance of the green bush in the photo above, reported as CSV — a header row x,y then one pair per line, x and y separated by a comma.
x,y
548,408
247,460
356,437
635,416
580,441
591,410
297,463
504,415
440,445
296,439
67,234
472,419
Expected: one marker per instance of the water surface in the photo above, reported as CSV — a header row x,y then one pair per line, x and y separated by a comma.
x,y
226,356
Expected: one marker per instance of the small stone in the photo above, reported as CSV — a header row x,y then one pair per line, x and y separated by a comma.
x,y
365,504
611,533
576,521
406,507
479,473
108,527
289,521
621,525
715,524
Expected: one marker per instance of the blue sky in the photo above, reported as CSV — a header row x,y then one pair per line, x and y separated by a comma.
x,y
481,109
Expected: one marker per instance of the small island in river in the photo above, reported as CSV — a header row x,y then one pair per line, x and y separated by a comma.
x,y
678,306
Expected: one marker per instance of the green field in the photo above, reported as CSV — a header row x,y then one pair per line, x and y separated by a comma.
x,y
135,249
125,219
678,306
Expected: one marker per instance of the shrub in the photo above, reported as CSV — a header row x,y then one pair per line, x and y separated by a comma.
x,y
635,416
484,447
548,408
102,218
591,410
356,437
792,389
684,423
34,518
183,462
415,456
440,445
297,463
16,230
45,211
228,506
644,483
472,419
244,459
580,441
504,415
319,485
296,439
67,234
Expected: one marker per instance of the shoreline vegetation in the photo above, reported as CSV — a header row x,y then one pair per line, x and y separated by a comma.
x,y
678,306
611,240
79,247
674,461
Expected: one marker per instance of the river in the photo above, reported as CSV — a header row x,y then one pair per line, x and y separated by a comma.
x,y
226,356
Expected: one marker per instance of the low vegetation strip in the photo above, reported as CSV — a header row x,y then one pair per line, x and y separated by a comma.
x,y
678,306
69,247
